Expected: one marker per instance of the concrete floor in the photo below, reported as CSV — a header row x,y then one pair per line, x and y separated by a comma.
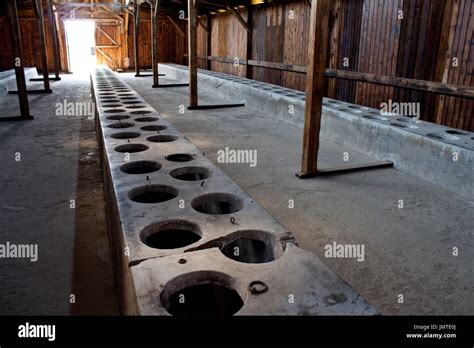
x,y
59,162
408,251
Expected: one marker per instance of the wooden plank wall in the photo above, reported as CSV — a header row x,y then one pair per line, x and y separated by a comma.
x,y
373,39
30,41
228,40
455,111
378,48
296,42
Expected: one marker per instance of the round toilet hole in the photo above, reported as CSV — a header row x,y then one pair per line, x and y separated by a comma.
x,y
190,173
154,128
125,135
251,246
171,234
162,138
217,203
180,157
140,167
121,125
131,148
142,112
114,111
153,194
207,294
147,119
117,118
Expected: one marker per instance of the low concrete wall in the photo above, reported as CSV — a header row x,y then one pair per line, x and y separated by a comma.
x,y
437,154
187,239
8,79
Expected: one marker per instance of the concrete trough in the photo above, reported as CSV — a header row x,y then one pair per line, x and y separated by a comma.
x,y
182,230
440,155
8,78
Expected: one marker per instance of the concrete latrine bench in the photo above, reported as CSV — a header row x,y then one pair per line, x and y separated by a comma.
x,y
187,240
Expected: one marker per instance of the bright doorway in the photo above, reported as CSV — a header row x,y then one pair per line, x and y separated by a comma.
x,y
80,39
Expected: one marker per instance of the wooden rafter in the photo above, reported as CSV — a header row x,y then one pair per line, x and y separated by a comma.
x,y
203,26
177,27
238,16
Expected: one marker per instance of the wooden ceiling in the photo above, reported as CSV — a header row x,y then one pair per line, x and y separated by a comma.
x,y
171,7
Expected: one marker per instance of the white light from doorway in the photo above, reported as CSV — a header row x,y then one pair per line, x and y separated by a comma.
x,y
80,38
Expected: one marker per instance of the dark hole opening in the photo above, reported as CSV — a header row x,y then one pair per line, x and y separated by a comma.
x,y
114,111
249,250
171,239
217,204
153,194
121,125
140,167
147,119
456,132
191,177
161,138
190,173
180,157
131,148
205,300
117,118
154,128
125,135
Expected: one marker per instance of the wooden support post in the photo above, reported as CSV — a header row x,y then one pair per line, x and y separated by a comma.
x,y
136,8
248,67
54,37
317,54
44,59
125,41
155,9
192,52
209,42
18,63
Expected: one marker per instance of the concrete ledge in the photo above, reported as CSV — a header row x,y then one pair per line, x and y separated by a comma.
x,y
8,78
180,227
434,153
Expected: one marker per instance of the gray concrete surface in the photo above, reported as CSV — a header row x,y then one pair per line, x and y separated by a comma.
x,y
409,250
59,162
